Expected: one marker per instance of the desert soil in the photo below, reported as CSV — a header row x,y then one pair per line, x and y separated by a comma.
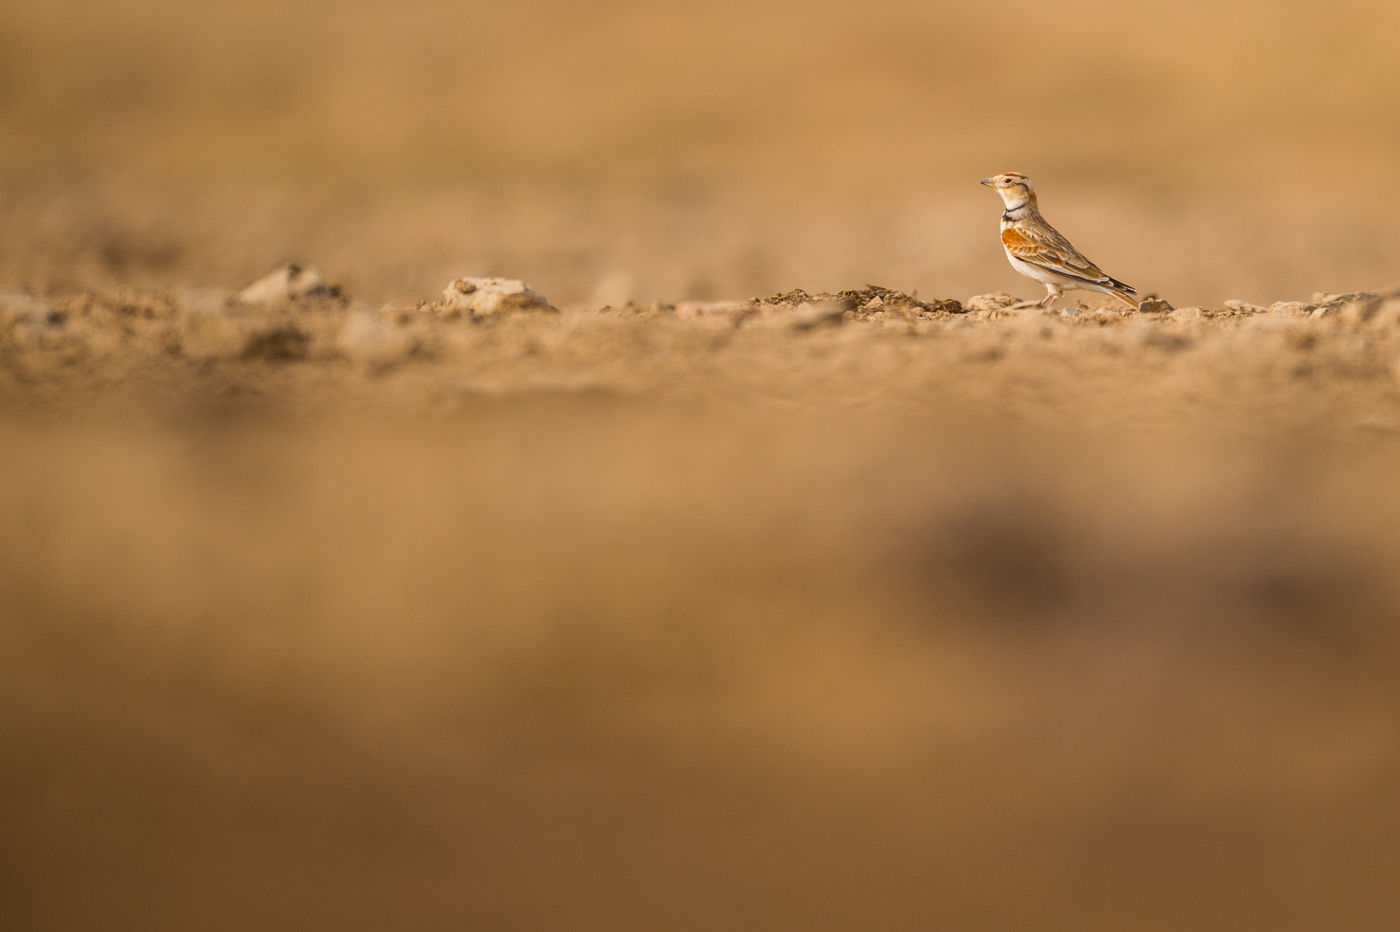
x,y
817,611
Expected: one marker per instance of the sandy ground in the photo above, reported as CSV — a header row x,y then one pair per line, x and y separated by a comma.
x,y
324,615
862,611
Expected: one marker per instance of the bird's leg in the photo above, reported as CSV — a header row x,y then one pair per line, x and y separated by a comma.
x,y
1052,292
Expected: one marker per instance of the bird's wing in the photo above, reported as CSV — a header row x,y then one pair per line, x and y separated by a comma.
x,y
1042,245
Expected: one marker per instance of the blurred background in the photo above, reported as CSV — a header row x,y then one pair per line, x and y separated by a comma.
x,y
614,620
620,150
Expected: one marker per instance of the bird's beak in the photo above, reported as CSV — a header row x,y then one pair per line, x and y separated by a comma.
x,y
988,181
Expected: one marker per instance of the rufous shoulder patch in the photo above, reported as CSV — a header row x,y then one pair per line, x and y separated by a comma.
x,y
1013,238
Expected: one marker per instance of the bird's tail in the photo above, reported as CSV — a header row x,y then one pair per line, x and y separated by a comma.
x,y
1123,292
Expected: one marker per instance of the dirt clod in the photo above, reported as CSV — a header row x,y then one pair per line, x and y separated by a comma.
x,y
490,297
289,282
989,302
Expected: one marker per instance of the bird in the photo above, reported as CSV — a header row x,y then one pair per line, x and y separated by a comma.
x,y
1039,251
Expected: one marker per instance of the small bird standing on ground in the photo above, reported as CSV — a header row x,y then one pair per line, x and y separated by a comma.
x,y
1038,251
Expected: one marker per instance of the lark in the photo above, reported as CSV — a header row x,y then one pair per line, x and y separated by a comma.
x,y
1037,250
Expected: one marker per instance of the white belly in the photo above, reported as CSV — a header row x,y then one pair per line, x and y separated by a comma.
x,y
1037,273
1046,277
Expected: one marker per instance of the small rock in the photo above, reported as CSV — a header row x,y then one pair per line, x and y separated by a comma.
x,y
886,304
945,306
1290,308
1152,304
1325,299
1071,312
288,282
1357,305
792,298
1235,304
489,297
1186,313
989,302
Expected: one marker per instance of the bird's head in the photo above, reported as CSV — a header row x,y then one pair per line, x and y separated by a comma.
x,y
1015,188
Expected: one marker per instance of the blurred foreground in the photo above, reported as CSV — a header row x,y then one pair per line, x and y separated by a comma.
x,y
609,619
